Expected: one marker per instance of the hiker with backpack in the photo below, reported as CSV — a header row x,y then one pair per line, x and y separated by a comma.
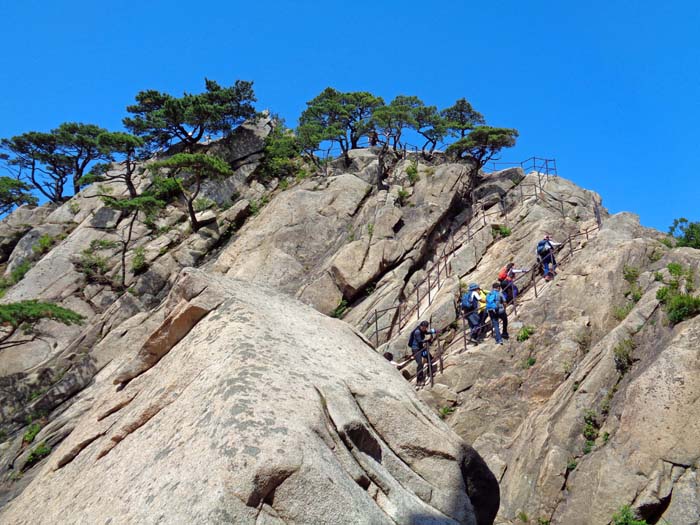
x,y
470,310
496,308
507,279
545,256
418,342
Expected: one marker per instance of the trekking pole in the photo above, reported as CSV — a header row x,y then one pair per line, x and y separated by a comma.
x,y
430,367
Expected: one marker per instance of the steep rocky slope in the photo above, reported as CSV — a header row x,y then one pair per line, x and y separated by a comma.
x,y
163,368
243,406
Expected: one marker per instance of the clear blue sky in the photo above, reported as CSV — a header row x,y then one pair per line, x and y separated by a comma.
x,y
611,88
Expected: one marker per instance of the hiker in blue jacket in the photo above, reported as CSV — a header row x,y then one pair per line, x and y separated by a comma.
x,y
545,254
418,341
496,307
470,310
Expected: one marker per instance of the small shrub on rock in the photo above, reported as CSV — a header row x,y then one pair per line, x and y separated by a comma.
x,y
43,244
31,433
412,172
624,516
40,452
525,333
340,309
138,263
622,354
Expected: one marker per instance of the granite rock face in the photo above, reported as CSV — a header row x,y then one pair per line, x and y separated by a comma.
x,y
247,418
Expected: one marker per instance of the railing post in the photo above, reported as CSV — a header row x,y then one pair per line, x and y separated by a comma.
x,y
534,281
376,329
429,301
418,301
438,272
571,246
464,329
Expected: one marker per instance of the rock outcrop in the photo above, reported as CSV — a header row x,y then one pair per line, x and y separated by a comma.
x,y
222,393
258,409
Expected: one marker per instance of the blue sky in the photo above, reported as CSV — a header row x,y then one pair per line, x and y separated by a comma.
x,y
611,89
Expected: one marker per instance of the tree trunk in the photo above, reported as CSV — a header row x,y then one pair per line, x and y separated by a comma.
x,y
125,246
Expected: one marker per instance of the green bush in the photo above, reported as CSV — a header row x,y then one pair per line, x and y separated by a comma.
x,y
20,271
525,333
93,266
41,451
412,172
590,430
675,269
31,433
571,465
402,197
282,154
529,362
103,244
624,516
635,293
682,306
685,233
43,244
445,411
138,263
666,241
501,231
631,273
284,184
523,517
658,277
656,255
203,203
622,354
620,312
340,309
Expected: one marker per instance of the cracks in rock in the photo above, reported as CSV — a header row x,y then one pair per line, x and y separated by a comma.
x,y
117,407
76,450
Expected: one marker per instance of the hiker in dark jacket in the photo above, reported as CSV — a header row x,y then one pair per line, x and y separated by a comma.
x,y
496,307
545,254
418,341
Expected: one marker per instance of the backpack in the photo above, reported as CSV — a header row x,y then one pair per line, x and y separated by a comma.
x,y
543,247
411,338
469,302
503,275
493,300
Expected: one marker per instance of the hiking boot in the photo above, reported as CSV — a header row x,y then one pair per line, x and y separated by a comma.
x,y
499,342
505,336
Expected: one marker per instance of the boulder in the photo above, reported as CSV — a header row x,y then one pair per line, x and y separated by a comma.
x,y
269,439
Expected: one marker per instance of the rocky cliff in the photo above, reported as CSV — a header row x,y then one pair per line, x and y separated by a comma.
x,y
216,395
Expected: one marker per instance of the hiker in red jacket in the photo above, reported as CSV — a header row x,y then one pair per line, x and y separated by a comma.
x,y
507,279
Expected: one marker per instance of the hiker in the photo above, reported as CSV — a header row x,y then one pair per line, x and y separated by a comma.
x,y
470,311
419,346
545,256
496,307
507,278
390,357
483,315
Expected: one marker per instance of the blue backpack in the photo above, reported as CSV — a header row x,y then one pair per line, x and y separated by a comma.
x,y
543,247
469,302
493,300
